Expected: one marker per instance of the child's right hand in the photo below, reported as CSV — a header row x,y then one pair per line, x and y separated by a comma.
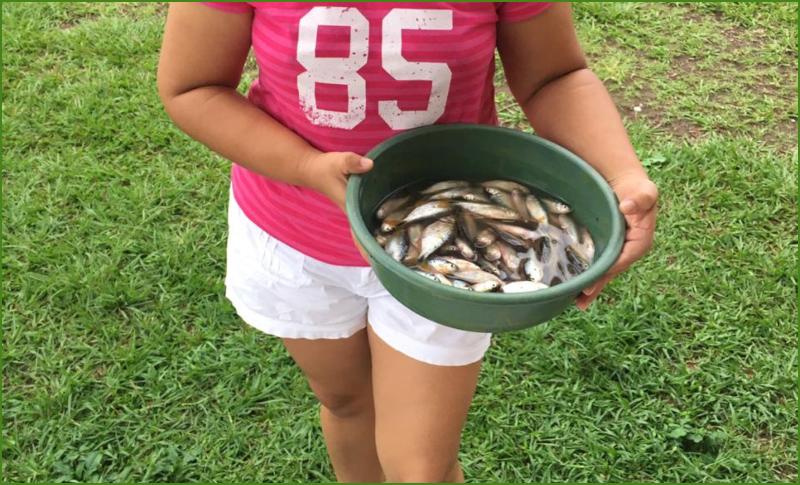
x,y
327,173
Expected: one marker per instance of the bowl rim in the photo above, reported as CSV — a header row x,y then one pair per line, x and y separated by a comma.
x,y
569,287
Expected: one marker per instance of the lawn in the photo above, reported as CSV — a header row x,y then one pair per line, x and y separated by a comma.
x,y
124,362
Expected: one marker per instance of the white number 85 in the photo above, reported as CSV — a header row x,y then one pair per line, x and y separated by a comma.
x,y
344,70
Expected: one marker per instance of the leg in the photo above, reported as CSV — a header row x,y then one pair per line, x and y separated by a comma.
x,y
338,371
420,411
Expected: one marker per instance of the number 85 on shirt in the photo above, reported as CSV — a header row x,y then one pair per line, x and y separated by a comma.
x,y
344,70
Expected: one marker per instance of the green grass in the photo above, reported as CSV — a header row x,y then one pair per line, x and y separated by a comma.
x,y
124,362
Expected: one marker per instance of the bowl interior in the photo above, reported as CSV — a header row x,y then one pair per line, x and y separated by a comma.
x,y
477,153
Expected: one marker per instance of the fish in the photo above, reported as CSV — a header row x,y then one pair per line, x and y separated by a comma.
x,y
461,264
439,265
435,208
414,234
391,205
492,252
490,267
523,286
567,224
444,185
475,277
435,235
535,209
500,197
461,193
442,279
586,245
485,238
533,268
397,245
461,284
490,211
394,219
518,202
506,185
486,286
468,226
449,250
465,249
543,249
381,239
517,232
508,256
556,207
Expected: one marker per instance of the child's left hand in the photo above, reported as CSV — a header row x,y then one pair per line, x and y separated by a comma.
x,y
638,196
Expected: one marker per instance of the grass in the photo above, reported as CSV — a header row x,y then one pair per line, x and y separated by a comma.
x,y
124,362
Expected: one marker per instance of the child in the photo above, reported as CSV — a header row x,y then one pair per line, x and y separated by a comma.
x,y
335,79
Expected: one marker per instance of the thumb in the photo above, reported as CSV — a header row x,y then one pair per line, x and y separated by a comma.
x,y
355,163
641,200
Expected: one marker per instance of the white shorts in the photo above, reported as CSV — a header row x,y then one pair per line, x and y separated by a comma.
x,y
285,293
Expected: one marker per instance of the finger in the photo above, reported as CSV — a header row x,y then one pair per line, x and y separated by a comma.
x,y
631,251
590,294
355,163
642,200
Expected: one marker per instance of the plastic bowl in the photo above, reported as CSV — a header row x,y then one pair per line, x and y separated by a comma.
x,y
478,152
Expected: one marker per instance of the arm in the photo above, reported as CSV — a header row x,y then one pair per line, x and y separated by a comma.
x,y
566,103
202,57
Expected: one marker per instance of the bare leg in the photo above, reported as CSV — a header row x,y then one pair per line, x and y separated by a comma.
x,y
420,411
338,372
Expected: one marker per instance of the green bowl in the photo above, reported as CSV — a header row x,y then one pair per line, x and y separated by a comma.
x,y
478,152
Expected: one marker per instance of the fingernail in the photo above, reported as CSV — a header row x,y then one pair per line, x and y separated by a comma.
x,y
589,291
366,162
627,206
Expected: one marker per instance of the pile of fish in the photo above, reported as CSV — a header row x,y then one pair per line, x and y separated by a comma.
x,y
490,236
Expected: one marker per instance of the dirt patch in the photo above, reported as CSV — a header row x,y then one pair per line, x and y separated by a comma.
x,y
77,20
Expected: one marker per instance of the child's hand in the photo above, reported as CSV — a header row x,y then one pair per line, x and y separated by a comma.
x,y
638,196
327,173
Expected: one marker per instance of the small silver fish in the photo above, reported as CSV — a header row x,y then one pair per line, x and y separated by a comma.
x,y
556,207
392,205
397,245
508,256
517,232
485,237
500,197
523,286
443,279
430,276
533,268
436,234
434,208
486,286
465,249
461,193
468,226
506,185
444,185
381,239
490,211
567,224
461,284
490,267
461,264
518,201
535,209
586,244
449,250
394,219
492,252
414,233
475,277
439,265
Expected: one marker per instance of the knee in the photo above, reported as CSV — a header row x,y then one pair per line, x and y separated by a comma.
x,y
345,404
421,469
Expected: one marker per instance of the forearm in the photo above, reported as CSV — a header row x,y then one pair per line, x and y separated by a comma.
x,y
576,111
226,122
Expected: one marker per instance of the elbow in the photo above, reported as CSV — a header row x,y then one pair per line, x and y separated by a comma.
x,y
578,73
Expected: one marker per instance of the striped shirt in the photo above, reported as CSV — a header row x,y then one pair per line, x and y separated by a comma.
x,y
347,76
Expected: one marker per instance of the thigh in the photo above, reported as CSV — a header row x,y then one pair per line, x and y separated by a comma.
x,y
338,370
420,410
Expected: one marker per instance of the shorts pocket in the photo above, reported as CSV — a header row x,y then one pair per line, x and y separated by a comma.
x,y
281,263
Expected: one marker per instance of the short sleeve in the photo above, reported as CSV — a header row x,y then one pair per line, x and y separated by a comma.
x,y
518,11
230,7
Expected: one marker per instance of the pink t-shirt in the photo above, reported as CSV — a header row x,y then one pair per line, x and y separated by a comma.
x,y
346,76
